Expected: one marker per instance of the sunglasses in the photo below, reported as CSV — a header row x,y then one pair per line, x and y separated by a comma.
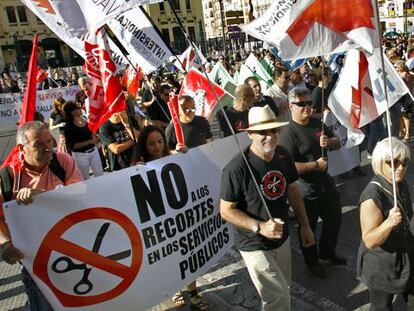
x,y
265,132
303,103
397,163
187,110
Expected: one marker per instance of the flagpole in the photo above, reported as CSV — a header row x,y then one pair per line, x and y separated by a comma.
x,y
324,154
224,115
387,111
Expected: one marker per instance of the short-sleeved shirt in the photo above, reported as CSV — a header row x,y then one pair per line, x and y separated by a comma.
x,y
57,119
266,100
238,120
46,180
158,111
303,143
273,178
316,97
116,133
195,133
76,134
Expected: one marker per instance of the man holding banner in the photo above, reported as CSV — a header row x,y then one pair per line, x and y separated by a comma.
x,y
41,170
249,203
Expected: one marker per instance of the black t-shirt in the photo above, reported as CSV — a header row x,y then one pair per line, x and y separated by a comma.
x,y
387,267
116,133
316,97
195,133
75,134
238,120
267,100
302,141
158,111
273,179
57,119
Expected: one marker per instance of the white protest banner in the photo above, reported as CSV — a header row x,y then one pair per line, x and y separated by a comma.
x,y
10,105
343,159
142,41
133,237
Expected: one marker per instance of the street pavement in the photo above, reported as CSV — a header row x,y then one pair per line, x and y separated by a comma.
x,y
227,285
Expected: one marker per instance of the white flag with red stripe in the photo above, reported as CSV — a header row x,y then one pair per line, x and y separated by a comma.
x,y
104,88
189,59
358,97
197,86
41,75
307,28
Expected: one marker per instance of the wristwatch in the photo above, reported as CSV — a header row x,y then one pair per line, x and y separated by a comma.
x,y
256,228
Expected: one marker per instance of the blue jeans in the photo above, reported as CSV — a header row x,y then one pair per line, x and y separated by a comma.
x,y
37,301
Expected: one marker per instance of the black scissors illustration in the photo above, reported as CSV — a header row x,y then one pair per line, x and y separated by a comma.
x,y
64,264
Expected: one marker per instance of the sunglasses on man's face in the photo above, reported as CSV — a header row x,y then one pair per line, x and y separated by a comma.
x,y
303,104
187,110
397,163
266,132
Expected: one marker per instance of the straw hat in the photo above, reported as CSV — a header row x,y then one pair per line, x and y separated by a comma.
x,y
263,118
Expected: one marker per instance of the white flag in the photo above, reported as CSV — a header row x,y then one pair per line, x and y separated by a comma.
x,y
138,36
307,28
359,97
82,16
190,58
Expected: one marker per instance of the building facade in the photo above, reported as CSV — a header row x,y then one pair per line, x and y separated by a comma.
x,y
190,13
396,15
17,27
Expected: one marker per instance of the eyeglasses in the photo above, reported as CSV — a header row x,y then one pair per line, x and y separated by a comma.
x,y
187,110
303,103
397,163
266,132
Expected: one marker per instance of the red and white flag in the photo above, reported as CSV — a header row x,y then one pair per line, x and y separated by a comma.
x,y
131,79
104,88
189,59
28,107
308,28
41,75
358,97
197,86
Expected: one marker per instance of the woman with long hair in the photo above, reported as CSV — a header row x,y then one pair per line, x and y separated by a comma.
x,y
57,121
151,145
81,141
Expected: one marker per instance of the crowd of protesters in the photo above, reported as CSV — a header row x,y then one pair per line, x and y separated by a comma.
x,y
144,132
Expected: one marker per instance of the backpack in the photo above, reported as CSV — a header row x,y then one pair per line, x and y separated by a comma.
x,y
6,179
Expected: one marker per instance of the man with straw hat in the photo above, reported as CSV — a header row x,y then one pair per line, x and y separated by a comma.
x,y
255,187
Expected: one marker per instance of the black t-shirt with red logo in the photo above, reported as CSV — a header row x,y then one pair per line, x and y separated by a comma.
x,y
273,179
238,121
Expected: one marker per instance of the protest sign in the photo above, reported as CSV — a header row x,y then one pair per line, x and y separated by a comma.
x,y
160,222
10,105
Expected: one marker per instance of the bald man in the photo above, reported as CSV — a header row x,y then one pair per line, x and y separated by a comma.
x,y
237,115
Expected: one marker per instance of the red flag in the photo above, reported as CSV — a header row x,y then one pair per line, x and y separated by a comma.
x,y
28,106
173,106
40,75
197,86
104,88
131,79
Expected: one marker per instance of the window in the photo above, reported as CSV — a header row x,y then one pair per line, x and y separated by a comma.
x,y
21,11
191,33
11,15
165,33
162,7
188,4
176,4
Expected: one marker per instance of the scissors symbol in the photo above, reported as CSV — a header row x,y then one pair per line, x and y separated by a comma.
x,y
64,264
274,185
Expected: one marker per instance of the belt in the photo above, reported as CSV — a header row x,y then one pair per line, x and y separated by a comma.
x,y
85,151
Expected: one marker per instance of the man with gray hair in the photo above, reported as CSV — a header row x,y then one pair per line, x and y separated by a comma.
x,y
40,170
306,140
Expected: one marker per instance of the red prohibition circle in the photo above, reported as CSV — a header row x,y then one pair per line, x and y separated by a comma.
x,y
53,242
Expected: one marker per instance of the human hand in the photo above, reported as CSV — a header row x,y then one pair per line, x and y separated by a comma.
x,y
306,236
394,217
323,141
10,254
63,124
25,195
322,164
95,139
181,148
272,229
